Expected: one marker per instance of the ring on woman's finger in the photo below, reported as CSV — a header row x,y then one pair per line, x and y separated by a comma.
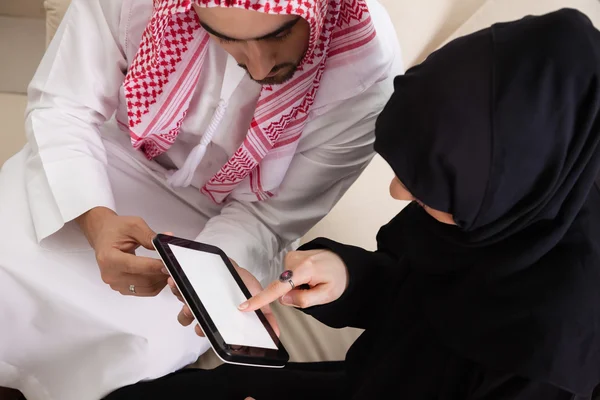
x,y
132,288
286,276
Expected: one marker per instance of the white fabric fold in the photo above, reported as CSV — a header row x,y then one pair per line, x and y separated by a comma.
x,y
183,177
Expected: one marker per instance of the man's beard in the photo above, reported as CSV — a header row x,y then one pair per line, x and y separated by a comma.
x,y
290,69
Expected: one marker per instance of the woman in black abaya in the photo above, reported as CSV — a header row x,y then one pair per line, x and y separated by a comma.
x,y
487,286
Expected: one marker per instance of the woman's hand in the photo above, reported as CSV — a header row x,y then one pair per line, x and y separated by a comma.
x,y
185,316
321,273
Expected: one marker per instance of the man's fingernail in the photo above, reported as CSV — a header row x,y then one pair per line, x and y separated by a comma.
x,y
287,300
243,306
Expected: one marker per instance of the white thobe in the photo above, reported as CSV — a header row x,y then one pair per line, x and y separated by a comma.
x,y
64,334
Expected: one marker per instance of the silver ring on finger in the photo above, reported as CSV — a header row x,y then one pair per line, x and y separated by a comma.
x,y
132,288
286,276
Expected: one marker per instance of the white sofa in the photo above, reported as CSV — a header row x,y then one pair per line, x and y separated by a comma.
x,y
422,26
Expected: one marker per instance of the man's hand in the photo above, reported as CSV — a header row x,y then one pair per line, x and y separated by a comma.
x,y
115,239
185,316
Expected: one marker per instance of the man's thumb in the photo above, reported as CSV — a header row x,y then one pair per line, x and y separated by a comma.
x,y
143,234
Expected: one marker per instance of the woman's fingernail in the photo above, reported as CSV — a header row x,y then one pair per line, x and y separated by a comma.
x,y
287,300
164,271
243,306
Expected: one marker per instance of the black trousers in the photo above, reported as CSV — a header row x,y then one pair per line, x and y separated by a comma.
x,y
315,381
304,381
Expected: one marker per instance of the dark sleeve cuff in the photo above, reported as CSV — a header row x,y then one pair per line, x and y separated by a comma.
x,y
365,269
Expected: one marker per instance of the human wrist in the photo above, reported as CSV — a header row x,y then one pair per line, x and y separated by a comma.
x,y
91,222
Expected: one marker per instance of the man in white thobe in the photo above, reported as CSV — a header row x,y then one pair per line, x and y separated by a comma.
x,y
235,123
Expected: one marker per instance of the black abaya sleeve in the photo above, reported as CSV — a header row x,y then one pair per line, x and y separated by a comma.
x,y
373,279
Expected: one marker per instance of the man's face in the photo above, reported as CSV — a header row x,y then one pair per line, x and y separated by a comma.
x,y
269,47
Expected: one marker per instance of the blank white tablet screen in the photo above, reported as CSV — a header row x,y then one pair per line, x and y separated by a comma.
x,y
220,294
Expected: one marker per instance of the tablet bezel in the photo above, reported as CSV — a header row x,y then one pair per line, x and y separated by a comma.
x,y
241,355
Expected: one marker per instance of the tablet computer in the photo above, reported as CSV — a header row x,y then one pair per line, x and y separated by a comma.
x,y
213,290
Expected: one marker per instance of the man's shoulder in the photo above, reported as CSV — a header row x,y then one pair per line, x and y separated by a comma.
x,y
120,15
365,69
128,20
134,12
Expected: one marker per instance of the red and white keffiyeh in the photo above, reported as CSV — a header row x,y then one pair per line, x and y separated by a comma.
x,y
166,69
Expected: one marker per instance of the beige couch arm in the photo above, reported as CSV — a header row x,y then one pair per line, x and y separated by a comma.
x,y
55,11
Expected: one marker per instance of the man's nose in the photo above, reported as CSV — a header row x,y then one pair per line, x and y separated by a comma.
x,y
260,60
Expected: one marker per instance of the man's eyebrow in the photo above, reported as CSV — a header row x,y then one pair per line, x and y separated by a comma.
x,y
288,25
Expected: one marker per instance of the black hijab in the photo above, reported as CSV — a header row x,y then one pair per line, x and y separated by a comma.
x,y
501,128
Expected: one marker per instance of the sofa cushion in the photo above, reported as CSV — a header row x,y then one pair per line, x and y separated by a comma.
x,y
422,25
22,9
55,11
22,48
12,127
507,10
